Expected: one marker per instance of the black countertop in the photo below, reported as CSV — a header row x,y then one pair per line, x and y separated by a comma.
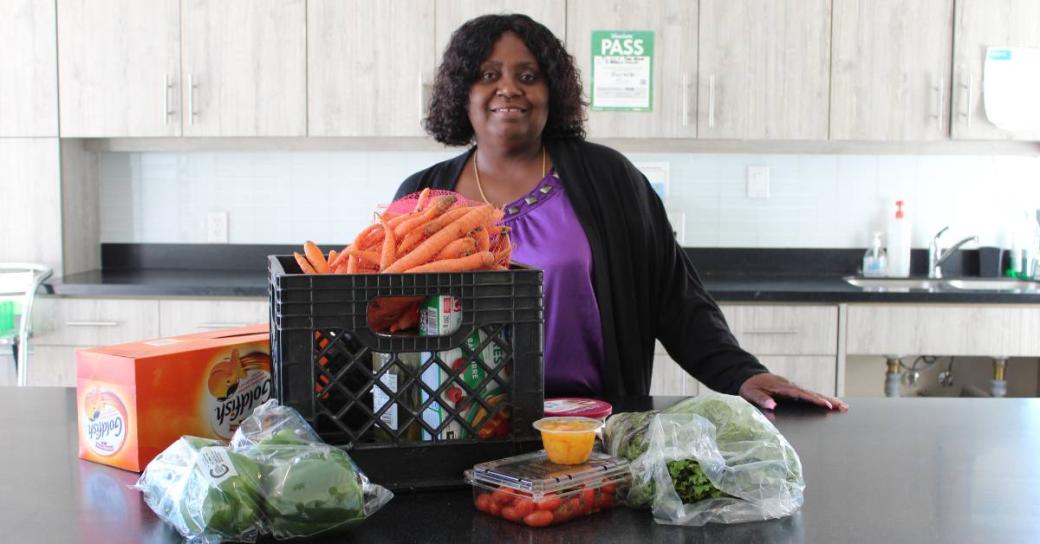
x,y
890,470
729,274
725,288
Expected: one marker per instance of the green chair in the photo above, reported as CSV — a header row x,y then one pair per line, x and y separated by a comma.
x,y
18,285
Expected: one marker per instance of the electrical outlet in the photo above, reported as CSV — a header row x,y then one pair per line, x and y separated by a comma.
x,y
217,227
758,182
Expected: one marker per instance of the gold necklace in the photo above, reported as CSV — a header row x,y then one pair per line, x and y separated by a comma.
x,y
476,175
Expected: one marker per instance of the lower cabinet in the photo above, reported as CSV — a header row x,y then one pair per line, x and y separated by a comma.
x,y
61,325
799,342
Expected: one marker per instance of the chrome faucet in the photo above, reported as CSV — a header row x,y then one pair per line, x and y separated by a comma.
x,y
937,256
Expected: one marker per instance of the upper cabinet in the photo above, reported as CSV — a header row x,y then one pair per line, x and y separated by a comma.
x,y
890,69
764,70
369,65
981,24
119,68
28,69
452,13
244,67
674,71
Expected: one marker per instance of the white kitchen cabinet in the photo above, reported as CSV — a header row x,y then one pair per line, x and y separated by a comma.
x,y
244,67
190,316
986,330
764,70
53,366
674,74
119,68
369,66
65,321
28,69
813,372
890,70
30,201
452,13
980,24
784,329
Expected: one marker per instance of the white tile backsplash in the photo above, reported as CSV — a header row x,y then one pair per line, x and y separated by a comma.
x,y
815,200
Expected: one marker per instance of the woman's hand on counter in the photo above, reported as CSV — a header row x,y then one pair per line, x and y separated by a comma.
x,y
765,389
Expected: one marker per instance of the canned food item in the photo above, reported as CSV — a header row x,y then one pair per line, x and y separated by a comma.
x,y
399,396
442,315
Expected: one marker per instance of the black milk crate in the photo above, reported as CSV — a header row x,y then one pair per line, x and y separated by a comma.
x,y
335,370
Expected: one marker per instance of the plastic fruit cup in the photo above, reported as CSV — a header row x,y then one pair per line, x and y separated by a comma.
x,y
568,440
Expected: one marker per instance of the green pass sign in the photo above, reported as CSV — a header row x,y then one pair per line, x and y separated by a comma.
x,y
622,68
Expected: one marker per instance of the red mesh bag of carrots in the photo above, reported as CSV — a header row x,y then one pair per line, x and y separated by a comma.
x,y
429,231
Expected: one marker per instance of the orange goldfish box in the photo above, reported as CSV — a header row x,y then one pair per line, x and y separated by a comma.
x,y
134,400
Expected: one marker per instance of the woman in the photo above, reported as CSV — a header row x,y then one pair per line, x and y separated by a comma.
x,y
614,276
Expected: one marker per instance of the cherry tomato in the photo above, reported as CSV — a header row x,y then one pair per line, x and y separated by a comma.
x,y
539,518
512,514
605,501
609,489
549,502
502,496
494,509
524,507
482,501
588,498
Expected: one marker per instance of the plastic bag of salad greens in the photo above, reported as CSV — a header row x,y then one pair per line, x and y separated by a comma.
x,y
308,487
207,492
709,459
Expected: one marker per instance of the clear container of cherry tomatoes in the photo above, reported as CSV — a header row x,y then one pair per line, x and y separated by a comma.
x,y
531,490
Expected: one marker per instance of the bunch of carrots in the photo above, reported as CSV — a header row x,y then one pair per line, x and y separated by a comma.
x,y
441,234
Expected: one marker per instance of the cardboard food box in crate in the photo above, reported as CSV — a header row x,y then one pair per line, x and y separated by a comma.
x,y
134,400
415,410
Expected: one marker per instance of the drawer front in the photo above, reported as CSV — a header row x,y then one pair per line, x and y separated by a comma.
x,y
784,329
93,322
190,316
813,372
669,378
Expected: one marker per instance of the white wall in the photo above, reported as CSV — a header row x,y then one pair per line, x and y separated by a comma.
x,y
815,200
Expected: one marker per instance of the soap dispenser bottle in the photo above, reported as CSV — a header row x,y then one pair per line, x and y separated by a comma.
x,y
875,260
899,243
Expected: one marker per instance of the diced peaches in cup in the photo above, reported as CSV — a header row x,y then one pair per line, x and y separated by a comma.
x,y
568,440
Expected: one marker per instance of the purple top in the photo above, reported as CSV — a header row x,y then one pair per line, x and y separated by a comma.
x,y
546,234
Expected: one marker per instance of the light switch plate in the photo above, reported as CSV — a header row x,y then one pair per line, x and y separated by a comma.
x,y
758,182
217,227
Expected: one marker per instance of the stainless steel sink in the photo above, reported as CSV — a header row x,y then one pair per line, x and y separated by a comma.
x,y
894,284
994,284
1006,285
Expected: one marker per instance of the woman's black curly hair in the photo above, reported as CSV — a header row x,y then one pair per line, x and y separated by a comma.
x,y
448,119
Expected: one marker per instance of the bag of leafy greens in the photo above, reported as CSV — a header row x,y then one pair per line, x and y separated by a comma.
x,y
308,487
207,492
709,459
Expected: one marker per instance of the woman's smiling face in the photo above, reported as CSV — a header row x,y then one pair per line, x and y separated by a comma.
x,y
510,99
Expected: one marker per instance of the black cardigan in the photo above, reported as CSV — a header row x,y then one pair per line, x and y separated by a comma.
x,y
646,285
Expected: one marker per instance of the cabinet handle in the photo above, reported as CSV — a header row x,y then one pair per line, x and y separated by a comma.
x,y
92,323
221,325
166,100
938,99
685,101
772,331
711,101
971,87
191,101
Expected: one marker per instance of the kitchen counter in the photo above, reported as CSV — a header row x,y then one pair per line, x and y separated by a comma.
x,y
724,287
890,470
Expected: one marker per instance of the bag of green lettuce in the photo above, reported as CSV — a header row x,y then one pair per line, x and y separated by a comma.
x,y
708,459
207,492
309,487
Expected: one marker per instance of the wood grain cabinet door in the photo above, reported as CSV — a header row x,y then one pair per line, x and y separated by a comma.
x,y
673,86
119,68
28,69
981,24
244,67
764,70
890,70
370,66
